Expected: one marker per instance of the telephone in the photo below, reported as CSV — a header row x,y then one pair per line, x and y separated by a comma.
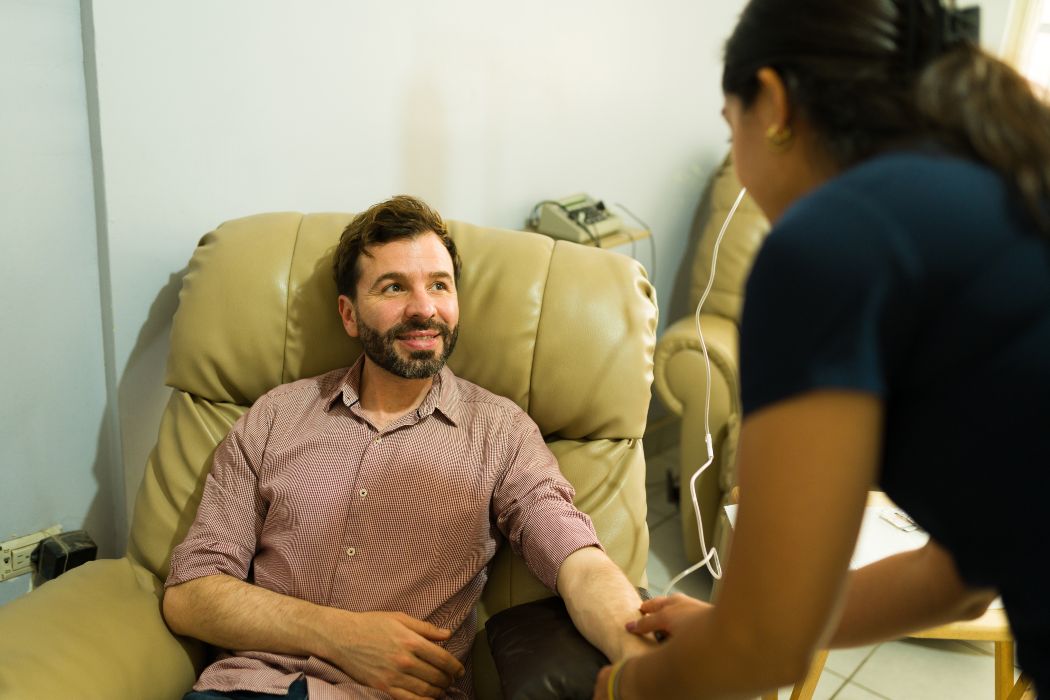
x,y
579,218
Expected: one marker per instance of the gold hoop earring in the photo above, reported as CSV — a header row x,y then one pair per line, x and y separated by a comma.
x,y
779,138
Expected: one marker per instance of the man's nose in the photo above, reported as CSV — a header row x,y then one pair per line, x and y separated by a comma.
x,y
420,305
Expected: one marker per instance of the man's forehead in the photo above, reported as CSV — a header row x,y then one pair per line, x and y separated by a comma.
x,y
408,254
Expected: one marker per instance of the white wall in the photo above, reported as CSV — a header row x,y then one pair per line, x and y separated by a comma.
x,y
55,466
994,15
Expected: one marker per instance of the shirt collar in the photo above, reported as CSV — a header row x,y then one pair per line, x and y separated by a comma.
x,y
443,395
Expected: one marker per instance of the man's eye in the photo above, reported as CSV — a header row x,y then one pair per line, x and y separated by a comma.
x,y
440,285
392,287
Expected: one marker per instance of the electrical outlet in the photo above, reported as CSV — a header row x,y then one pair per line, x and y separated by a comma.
x,y
16,555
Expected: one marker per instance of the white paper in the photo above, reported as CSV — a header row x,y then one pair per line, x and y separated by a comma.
x,y
878,539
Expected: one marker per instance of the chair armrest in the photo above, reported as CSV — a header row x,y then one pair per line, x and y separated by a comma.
x,y
94,632
679,375
680,381
540,655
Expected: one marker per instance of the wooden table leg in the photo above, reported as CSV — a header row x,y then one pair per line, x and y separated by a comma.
x,y
1023,689
804,688
1004,669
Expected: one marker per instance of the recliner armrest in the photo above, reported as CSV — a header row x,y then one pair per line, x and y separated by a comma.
x,y
94,632
539,653
679,373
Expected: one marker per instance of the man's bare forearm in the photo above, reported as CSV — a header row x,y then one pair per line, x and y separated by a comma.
x,y
233,614
601,601
904,593
390,651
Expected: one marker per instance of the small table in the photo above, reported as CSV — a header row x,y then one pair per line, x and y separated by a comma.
x,y
620,237
990,627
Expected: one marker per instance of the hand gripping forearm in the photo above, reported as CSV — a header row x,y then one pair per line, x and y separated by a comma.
x,y
601,601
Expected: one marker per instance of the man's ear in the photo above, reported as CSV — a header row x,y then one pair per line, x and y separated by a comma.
x,y
348,315
776,103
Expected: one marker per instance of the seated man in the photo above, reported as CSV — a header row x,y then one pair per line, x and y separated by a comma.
x,y
348,521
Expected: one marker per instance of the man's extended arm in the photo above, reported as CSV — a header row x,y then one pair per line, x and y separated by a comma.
x,y
534,508
601,602
392,652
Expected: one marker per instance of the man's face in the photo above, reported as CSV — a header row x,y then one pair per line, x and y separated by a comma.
x,y
406,312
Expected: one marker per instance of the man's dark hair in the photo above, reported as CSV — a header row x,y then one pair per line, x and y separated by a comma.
x,y
398,218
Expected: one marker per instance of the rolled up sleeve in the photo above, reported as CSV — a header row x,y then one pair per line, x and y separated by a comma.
x,y
223,536
533,505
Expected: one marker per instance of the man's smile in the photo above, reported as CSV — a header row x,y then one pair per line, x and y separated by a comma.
x,y
420,340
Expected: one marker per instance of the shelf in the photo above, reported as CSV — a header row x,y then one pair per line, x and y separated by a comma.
x,y
620,237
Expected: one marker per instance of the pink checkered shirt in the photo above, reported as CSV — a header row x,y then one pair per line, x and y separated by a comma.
x,y
333,511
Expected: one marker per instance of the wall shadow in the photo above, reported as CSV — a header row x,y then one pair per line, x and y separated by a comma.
x,y
122,450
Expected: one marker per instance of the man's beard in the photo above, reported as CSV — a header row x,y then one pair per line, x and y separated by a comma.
x,y
420,364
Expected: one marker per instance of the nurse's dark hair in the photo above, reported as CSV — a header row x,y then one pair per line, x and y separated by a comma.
x,y
874,74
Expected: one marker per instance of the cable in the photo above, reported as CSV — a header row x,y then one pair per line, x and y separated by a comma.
x,y
710,558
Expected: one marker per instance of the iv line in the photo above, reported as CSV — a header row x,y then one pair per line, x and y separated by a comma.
x,y
710,557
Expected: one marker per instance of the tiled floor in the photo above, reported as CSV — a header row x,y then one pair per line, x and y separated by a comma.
x,y
913,669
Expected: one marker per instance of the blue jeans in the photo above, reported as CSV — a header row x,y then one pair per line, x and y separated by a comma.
x,y
296,691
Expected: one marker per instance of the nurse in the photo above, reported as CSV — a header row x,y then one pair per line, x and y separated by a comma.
x,y
896,331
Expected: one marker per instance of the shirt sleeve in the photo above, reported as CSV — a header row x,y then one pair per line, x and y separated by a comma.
x,y
827,301
223,536
533,505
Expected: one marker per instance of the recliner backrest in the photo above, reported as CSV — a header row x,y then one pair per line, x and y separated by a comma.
x,y
564,330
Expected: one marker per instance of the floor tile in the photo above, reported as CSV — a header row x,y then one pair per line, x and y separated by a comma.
x,y
983,647
827,686
845,662
855,692
928,669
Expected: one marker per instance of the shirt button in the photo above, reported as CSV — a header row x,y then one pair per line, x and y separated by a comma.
x,y
350,551
379,439
363,493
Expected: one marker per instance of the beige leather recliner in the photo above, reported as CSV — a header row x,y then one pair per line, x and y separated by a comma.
x,y
564,330
680,378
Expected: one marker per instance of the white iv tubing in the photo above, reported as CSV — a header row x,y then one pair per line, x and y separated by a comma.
x,y
710,557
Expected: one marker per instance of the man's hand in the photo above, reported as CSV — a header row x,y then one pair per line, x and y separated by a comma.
x,y
396,653
390,651
665,614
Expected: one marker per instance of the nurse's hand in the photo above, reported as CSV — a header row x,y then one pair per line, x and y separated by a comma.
x,y
663,616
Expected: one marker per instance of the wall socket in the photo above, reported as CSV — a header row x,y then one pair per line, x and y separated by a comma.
x,y
16,554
